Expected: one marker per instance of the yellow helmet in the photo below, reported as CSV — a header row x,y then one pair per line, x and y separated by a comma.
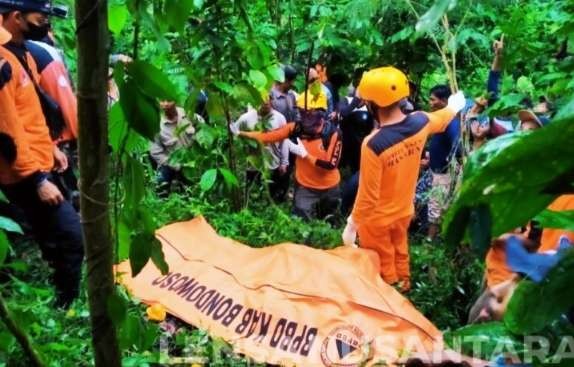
x,y
318,102
384,86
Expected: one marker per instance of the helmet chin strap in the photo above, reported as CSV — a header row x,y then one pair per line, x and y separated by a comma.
x,y
373,110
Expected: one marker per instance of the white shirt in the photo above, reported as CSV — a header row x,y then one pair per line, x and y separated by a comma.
x,y
170,138
279,151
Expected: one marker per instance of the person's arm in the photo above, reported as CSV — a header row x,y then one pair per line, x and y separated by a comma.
x,y
284,154
54,80
16,153
269,137
370,175
280,121
439,120
498,48
493,83
333,152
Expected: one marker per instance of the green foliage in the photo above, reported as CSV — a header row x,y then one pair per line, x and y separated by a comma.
x,y
208,179
4,247
117,18
560,220
547,298
8,225
432,16
232,50
445,282
493,338
501,172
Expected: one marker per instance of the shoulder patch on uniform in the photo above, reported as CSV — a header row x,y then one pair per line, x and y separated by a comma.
x,y
5,72
388,136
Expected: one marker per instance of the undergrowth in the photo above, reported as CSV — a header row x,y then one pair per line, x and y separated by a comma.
x,y
445,282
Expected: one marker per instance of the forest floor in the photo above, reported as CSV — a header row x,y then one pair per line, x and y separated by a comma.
x,y
445,283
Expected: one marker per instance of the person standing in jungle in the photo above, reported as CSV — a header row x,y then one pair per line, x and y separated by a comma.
x,y
28,156
443,150
390,163
318,151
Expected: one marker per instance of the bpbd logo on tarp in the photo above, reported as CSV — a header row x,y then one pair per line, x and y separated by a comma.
x,y
344,347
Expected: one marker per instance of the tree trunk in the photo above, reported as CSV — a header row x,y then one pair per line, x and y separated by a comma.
x,y
92,42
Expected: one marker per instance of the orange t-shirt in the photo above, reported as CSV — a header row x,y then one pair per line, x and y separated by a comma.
x,y
497,271
22,120
390,164
319,169
550,236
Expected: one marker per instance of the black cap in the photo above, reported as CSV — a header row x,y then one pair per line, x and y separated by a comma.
x,y
290,72
40,6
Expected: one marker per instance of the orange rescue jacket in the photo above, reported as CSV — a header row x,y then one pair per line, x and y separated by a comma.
x,y
320,169
22,122
390,164
55,81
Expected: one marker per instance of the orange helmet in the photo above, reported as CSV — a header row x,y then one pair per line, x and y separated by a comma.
x,y
384,86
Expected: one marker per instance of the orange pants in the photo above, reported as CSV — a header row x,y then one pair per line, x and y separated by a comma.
x,y
391,243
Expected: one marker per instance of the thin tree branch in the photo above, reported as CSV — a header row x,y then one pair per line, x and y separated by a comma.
x,y
21,337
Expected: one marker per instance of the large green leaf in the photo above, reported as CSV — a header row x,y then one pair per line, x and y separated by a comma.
x,y
558,220
120,136
177,12
507,104
9,225
117,308
534,306
4,247
140,110
140,251
117,18
276,73
515,176
208,180
158,257
152,81
491,337
229,178
124,240
134,182
258,79
214,106
432,16
479,229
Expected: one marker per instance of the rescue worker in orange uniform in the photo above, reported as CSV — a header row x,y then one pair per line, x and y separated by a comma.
x,y
390,163
28,156
56,83
318,151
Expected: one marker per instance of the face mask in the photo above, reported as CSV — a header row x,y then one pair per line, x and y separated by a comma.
x,y
36,32
315,88
310,121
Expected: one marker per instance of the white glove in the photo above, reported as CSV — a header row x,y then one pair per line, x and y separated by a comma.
x,y
297,149
234,128
190,130
457,101
350,233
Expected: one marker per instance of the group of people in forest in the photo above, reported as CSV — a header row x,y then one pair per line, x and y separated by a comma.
x,y
372,156
38,134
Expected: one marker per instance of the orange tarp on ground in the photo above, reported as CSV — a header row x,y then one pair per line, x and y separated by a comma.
x,y
286,304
